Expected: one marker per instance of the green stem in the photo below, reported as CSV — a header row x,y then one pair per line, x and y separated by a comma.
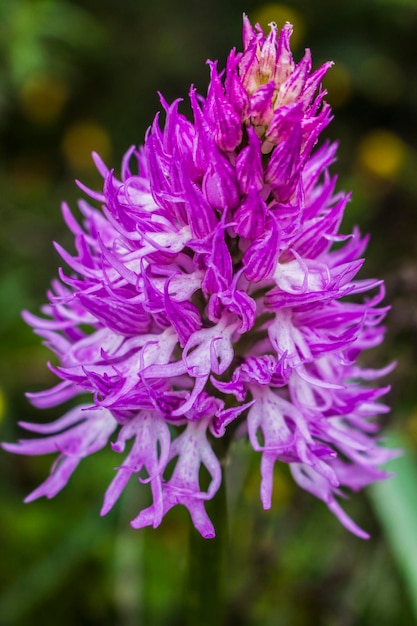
x,y
204,595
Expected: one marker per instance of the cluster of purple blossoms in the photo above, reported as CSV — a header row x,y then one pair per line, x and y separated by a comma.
x,y
207,299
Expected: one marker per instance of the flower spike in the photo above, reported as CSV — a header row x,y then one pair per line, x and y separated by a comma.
x,y
206,298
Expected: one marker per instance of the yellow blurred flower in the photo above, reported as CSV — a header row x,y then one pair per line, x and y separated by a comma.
x,y
80,140
382,153
42,98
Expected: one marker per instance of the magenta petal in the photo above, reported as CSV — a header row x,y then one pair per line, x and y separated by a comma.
x,y
250,217
219,183
150,450
225,120
260,258
73,444
192,450
249,169
310,480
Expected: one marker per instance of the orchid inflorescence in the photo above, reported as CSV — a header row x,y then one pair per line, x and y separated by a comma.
x,y
207,299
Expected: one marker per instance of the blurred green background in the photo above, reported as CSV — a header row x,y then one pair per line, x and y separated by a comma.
x,y
83,75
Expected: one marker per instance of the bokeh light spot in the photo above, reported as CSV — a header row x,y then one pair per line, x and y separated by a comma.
x,y
42,98
80,140
280,13
382,153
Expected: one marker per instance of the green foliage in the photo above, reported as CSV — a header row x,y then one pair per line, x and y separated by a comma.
x,y
395,502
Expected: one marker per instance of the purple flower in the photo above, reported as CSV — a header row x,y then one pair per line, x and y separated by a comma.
x,y
206,298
